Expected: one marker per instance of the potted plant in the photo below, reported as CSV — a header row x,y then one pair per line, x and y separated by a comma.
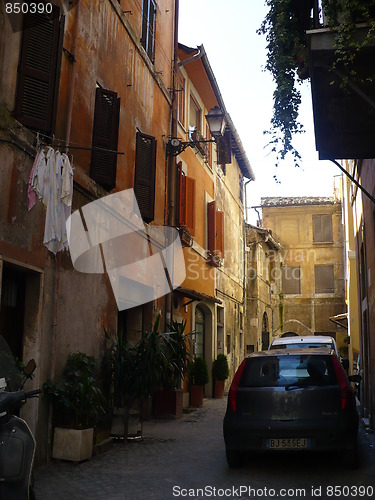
x,y
118,370
198,379
220,372
169,399
77,404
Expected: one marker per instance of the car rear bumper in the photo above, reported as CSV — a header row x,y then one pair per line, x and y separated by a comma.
x,y
333,436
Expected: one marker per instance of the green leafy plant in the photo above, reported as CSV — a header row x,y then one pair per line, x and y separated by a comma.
x,y
199,372
220,368
286,61
178,351
285,28
76,399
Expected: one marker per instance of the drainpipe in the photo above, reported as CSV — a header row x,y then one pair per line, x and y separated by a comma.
x,y
72,79
171,215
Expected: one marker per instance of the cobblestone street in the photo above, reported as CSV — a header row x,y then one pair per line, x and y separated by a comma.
x,y
177,458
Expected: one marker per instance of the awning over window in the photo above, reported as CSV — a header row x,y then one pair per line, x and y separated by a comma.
x,y
341,320
194,295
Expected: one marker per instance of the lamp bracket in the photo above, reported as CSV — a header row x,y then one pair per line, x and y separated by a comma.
x,y
175,146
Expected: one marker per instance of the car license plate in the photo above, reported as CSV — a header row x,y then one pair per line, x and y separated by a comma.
x,y
287,444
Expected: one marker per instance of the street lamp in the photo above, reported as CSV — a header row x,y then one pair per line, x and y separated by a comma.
x,y
216,123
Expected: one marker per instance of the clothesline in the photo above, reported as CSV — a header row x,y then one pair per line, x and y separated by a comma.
x,y
55,142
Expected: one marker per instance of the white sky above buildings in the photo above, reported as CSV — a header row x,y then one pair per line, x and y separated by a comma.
x,y
237,55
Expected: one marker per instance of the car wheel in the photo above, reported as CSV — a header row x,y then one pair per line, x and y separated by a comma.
x,y
233,458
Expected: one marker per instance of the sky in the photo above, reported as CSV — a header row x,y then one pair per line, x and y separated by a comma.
x,y
237,55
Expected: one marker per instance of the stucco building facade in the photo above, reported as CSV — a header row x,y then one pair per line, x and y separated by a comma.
x,y
91,79
310,232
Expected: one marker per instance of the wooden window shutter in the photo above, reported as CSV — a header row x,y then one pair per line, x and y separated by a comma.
x,y
181,196
105,136
219,234
224,148
38,70
291,280
211,226
322,228
190,204
145,167
324,279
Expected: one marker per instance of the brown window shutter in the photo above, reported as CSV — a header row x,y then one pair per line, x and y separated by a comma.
x,y
181,196
145,167
37,90
224,148
291,280
220,234
190,204
322,228
211,226
324,279
105,136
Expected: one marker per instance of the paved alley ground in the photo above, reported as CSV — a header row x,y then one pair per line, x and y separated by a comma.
x,y
185,458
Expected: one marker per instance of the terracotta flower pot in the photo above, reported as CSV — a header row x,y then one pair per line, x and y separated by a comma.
x,y
196,395
219,389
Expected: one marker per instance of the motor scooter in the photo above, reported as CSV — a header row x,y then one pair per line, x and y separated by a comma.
x,y
17,443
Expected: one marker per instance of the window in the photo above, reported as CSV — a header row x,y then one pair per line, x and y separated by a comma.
x,y
181,99
324,279
186,197
215,221
148,28
322,228
195,114
145,167
38,72
291,277
105,137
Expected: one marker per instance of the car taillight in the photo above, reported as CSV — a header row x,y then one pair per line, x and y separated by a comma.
x,y
234,386
343,383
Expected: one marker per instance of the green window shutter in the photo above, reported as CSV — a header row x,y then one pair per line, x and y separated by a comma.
x,y
38,70
145,169
105,136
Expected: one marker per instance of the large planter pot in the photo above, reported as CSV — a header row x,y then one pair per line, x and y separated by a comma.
x,y
118,424
196,395
72,444
219,389
168,403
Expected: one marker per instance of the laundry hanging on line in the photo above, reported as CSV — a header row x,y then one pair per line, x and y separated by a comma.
x,y
51,181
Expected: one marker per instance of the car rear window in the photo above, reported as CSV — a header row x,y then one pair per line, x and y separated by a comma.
x,y
302,344
280,371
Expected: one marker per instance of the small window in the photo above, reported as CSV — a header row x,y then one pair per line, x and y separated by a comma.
x,y
228,346
148,28
145,169
291,280
322,228
105,137
324,279
195,114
